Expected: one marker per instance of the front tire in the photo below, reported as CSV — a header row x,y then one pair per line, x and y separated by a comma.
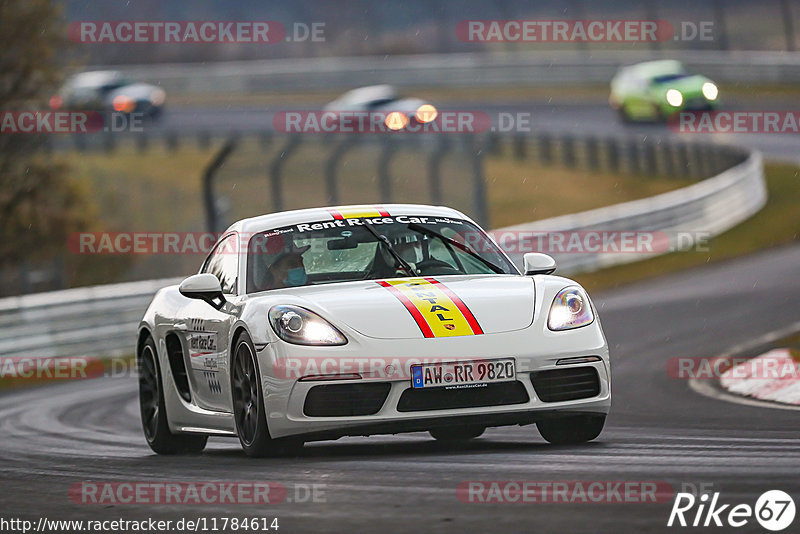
x,y
248,404
153,409
571,429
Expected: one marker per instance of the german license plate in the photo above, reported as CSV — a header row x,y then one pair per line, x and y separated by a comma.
x,y
462,373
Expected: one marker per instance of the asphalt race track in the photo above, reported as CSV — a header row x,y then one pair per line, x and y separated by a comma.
x,y
659,430
588,117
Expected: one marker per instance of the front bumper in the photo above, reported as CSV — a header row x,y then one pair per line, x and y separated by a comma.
x,y
285,395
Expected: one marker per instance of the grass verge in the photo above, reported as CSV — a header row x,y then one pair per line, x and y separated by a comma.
x,y
778,223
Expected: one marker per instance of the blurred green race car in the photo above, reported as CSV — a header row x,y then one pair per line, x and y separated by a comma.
x,y
655,90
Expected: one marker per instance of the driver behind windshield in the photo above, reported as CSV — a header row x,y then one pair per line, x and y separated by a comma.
x,y
284,268
408,247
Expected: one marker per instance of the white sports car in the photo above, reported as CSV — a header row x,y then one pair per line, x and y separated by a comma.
x,y
350,321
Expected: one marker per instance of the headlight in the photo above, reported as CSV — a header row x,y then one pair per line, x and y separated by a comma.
x,y
426,113
674,98
157,97
570,309
710,91
297,325
396,120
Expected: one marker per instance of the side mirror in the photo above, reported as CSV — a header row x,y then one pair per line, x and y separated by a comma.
x,y
538,263
203,286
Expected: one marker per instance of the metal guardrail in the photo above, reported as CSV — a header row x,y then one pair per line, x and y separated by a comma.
x,y
102,320
707,208
455,70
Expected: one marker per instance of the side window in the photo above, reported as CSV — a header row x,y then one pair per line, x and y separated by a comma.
x,y
224,263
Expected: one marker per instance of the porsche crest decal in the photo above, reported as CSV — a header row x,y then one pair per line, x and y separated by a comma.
x,y
436,309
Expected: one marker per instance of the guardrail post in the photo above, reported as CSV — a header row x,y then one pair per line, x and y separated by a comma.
x,y
520,145
276,171
592,154
384,160
612,153
545,149
435,168
479,197
649,153
80,142
108,141
209,200
332,165
265,136
682,153
142,139
633,148
568,151
667,150
171,140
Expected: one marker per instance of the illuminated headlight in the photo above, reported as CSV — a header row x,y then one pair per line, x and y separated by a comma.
x,y
710,91
426,113
570,309
674,98
297,325
157,97
396,120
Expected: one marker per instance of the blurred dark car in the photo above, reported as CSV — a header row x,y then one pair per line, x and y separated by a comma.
x,y
109,91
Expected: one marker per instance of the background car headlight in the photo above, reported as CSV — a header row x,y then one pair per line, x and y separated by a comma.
x,y
157,97
674,97
297,325
710,91
570,309
426,113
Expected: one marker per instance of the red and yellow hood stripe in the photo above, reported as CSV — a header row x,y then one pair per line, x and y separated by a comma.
x,y
437,310
356,212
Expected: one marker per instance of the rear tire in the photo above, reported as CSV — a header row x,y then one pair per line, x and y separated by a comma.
x,y
248,404
153,409
458,433
571,429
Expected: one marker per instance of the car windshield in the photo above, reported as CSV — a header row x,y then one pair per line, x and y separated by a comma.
x,y
665,78
346,250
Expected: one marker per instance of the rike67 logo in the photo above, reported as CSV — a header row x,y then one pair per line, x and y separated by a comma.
x,y
774,510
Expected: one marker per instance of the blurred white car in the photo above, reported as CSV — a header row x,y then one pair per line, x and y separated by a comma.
x,y
108,91
357,320
384,99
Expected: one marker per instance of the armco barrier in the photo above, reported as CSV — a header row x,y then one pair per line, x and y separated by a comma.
x,y
709,207
102,319
455,70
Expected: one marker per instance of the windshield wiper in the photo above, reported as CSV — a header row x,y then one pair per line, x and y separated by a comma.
x,y
385,240
461,246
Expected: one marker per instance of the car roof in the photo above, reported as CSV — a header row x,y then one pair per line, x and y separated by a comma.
x,y
656,68
331,213
95,78
369,94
